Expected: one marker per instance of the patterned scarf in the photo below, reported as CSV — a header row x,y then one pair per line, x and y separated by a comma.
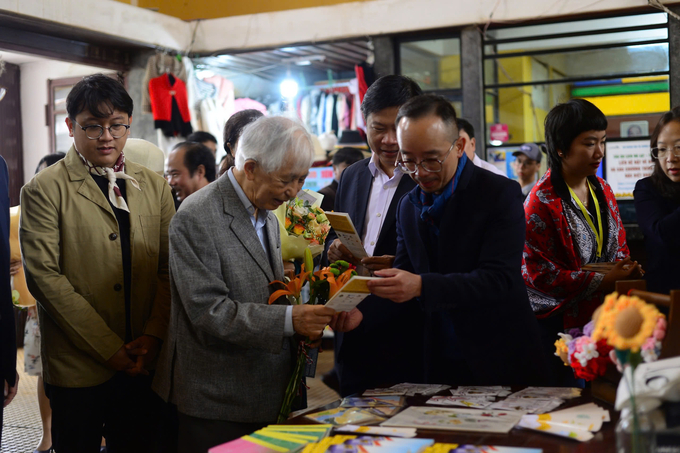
x,y
432,205
118,171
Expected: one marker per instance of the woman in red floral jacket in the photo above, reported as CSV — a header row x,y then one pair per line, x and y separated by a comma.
x,y
572,220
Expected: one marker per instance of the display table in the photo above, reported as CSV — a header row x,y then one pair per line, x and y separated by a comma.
x,y
603,442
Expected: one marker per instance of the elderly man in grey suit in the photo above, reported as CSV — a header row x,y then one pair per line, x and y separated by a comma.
x,y
229,356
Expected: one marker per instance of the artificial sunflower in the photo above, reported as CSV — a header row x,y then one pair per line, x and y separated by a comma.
x,y
600,330
626,323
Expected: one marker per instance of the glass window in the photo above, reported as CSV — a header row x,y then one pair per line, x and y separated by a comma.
x,y
61,136
633,106
637,59
620,64
616,38
434,64
587,27
60,94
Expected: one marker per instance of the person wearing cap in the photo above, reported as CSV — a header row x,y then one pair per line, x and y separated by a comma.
x,y
526,164
467,132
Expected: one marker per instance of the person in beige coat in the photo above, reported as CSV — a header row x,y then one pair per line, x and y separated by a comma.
x,y
94,239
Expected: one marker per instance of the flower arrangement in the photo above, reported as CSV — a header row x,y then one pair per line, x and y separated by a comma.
x,y
634,329
323,285
303,224
622,323
587,357
626,331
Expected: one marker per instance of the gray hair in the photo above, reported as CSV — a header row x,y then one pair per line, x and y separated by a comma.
x,y
271,140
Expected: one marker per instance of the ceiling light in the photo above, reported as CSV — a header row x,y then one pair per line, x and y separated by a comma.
x,y
289,88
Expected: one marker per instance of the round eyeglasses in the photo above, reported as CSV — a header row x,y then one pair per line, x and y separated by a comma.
x,y
429,165
95,131
661,152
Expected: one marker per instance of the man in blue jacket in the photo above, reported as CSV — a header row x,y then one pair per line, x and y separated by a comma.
x,y
385,347
460,236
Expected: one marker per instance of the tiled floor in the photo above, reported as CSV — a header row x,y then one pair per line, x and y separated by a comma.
x,y
22,427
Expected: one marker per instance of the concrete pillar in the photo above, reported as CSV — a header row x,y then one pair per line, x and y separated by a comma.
x,y
674,55
383,47
472,78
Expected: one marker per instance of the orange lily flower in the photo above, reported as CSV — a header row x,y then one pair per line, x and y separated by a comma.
x,y
293,287
337,283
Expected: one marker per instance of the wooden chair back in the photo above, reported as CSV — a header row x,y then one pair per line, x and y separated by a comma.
x,y
671,343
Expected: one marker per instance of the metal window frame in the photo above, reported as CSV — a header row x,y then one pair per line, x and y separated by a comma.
x,y
448,93
495,57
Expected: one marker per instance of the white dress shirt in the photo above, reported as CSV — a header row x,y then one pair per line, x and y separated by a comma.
x,y
487,166
259,224
382,192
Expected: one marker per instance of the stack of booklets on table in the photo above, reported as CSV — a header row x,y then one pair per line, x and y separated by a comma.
x,y
275,439
578,422
360,410
367,444
453,419
408,389
531,400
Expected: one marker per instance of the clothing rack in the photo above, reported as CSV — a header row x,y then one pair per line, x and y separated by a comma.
x,y
335,87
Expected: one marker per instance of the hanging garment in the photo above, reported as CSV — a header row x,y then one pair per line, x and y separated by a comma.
x,y
328,115
225,93
213,119
347,116
166,144
340,106
320,118
306,110
334,114
192,93
205,89
156,66
363,87
169,105
314,102
358,118
247,103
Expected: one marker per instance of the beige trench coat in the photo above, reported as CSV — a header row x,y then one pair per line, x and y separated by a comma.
x,y
72,255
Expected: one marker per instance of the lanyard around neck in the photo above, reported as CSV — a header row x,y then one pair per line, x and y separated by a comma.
x,y
586,214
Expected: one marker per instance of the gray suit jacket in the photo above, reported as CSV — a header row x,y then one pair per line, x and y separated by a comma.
x,y
225,357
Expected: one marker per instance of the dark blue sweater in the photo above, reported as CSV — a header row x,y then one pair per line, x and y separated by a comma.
x,y
659,219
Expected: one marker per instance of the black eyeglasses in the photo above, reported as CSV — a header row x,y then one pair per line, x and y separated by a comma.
x,y
95,131
429,165
662,151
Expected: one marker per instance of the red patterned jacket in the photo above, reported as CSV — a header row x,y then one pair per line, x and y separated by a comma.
x,y
559,242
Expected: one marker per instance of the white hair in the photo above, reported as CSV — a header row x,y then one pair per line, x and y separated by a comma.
x,y
271,140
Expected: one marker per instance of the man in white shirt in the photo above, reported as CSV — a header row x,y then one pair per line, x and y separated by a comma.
x,y
369,191
467,132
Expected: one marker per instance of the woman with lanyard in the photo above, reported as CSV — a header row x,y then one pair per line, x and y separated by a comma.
x,y
572,220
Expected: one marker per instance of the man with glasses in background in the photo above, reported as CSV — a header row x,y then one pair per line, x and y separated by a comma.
x,y
94,239
459,255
